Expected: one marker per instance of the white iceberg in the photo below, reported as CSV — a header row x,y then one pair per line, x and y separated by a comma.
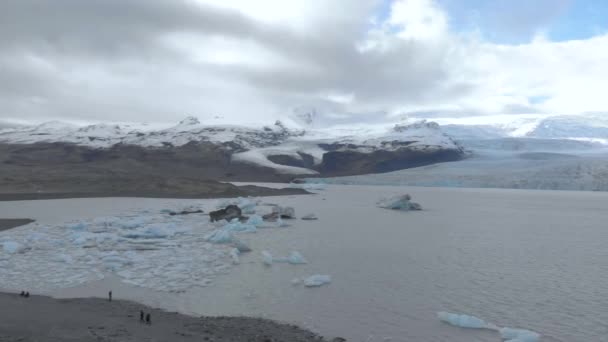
x,y
402,202
76,226
255,220
317,280
295,258
507,334
12,247
240,246
519,335
463,321
239,227
234,254
219,236
267,258
284,212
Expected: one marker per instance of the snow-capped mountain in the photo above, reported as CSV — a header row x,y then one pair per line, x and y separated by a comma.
x,y
300,148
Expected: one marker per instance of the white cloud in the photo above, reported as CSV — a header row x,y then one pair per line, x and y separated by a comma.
x,y
244,59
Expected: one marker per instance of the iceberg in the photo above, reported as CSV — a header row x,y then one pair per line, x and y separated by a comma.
x,y
238,227
295,258
255,220
267,258
402,202
219,236
284,212
76,226
317,280
519,335
12,247
234,254
463,321
507,334
241,246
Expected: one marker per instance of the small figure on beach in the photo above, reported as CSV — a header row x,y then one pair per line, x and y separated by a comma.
x,y
110,296
148,319
22,294
141,315
27,295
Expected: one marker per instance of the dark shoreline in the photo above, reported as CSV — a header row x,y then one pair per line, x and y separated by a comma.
x,y
247,190
40,318
6,224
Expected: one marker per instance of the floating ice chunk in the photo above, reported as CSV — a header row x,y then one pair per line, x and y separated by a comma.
x,y
234,254
64,258
239,227
219,236
310,217
267,258
295,258
463,321
317,280
241,246
285,212
12,247
255,220
76,226
399,203
519,335
282,223
132,223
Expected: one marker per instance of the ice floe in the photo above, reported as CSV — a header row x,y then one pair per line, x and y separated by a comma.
x,y
151,249
402,202
472,322
317,280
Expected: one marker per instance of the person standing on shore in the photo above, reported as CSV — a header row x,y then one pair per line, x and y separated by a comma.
x,y
148,319
110,296
141,315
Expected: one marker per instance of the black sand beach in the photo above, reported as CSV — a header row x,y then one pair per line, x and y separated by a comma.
x,y
39,318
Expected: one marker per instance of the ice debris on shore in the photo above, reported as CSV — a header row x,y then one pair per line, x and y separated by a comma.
x,y
472,322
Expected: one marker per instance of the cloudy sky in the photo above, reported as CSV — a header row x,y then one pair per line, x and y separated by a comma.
x,y
159,60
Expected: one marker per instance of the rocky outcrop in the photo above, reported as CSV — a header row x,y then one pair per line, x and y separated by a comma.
x,y
352,162
229,213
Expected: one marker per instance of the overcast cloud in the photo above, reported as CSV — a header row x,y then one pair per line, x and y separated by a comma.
x,y
159,60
